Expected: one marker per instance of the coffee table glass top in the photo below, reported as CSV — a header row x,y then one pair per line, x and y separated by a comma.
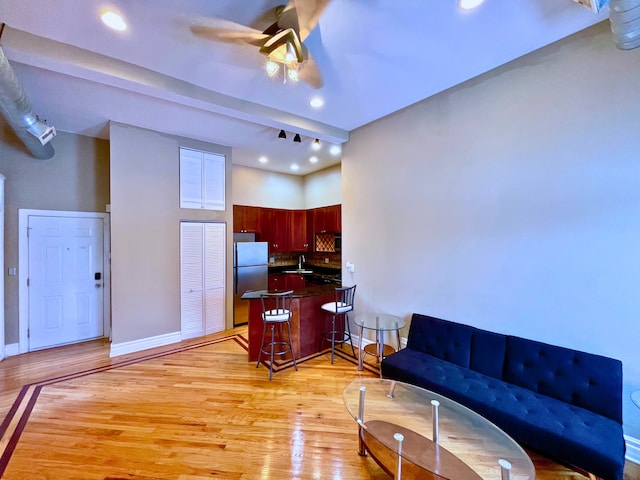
x,y
468,436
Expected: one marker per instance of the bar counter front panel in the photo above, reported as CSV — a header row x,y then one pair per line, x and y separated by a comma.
x,y
308,320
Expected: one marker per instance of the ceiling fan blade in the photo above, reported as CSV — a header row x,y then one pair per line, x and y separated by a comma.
x,y
310,72
309,12
226,31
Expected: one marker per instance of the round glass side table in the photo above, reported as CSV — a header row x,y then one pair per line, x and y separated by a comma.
x,y
380,323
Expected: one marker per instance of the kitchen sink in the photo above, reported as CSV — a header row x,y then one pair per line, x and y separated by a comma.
x,y
300,270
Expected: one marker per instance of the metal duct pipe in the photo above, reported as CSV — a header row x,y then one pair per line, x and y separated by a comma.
x,y
624,16
16,108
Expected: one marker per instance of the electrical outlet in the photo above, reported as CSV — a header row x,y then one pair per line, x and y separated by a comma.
x,y
272,260
351,267
326,260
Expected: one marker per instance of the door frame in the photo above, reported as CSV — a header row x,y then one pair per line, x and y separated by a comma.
x,y
23,267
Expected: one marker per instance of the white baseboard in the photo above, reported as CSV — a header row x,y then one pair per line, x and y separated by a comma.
x,y
144,343
633,449
11,349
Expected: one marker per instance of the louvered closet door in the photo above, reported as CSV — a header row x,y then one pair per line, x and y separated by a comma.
x,y
214,279
202,278
191,279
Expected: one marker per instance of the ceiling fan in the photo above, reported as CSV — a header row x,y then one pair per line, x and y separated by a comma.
x,y
282,42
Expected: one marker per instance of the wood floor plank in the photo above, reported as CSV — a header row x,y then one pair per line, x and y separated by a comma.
x,y
167,413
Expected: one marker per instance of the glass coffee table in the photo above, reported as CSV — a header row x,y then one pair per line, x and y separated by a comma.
x,y
430,433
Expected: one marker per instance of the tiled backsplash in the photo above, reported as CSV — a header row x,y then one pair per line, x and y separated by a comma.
x,y
317,259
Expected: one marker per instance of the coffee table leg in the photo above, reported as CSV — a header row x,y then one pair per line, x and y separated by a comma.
x,y
361,448
399,437
505,468
434,413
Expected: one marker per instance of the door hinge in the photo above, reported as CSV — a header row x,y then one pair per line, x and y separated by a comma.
x,y
27,282
28,332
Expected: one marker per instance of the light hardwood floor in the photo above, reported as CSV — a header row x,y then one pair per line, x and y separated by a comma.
x,y
187,411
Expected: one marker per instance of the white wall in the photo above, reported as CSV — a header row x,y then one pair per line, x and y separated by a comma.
x,y
323,188
145,231
511,202
261,188
267,189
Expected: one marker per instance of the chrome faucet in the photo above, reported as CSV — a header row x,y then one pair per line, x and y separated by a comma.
x,y
301,260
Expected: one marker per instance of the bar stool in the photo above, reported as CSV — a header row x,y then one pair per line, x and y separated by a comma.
x,y
276,310
339,318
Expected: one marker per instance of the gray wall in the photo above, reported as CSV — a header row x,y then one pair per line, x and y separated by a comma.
x,y
511,202
76,179
145,231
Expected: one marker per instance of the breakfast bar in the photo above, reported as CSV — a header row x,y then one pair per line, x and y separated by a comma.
x,y
307,319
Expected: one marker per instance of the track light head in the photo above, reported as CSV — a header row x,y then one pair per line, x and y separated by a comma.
x,y
316,145
297,138
282,134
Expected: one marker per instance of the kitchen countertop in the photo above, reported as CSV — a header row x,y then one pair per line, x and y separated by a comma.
x,y
318,275
301,293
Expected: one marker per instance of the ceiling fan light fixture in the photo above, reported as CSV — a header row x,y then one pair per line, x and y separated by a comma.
x,y
272,68
293,74
297,138
282,134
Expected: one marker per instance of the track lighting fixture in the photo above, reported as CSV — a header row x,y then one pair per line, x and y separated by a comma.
x,y
316,145
282,134
297,138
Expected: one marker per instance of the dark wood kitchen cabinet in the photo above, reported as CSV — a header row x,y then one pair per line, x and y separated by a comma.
x,y
327,219
276,228
298,238
246,219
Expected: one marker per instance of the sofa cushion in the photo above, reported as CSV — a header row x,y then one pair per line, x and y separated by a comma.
x,y
487,352
440,338
582,379
550,426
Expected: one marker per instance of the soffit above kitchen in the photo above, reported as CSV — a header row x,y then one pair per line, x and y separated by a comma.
x,y
375,58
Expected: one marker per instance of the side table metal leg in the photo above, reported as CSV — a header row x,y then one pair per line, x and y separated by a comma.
x,y
360,349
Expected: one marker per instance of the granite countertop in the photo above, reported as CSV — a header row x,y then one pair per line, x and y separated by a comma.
x,y
304,292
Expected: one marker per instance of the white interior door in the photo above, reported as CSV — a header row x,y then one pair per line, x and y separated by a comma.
x,y
65,280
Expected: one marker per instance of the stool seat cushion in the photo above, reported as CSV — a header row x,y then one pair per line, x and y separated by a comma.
x,y
276,315
341,307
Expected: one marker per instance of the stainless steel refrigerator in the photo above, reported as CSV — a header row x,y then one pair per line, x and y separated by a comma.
x,y
250,272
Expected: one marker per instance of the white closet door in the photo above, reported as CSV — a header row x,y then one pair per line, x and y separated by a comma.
x,y
202,278
215,234
191,279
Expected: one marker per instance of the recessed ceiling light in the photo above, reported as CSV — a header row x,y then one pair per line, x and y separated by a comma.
x,y
335,150
316,102
313,159
294,166
113,20
469,4
263,159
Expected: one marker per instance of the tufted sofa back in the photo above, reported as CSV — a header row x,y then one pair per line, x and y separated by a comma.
x,y
583,379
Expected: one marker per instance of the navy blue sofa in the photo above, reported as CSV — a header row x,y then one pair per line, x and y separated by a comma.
x,y
562,403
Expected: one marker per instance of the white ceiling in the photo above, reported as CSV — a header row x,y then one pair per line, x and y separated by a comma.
x,y
376,57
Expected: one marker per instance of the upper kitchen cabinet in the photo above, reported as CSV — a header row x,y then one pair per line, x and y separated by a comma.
x,y
276,228
298,239
247,219
327,219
